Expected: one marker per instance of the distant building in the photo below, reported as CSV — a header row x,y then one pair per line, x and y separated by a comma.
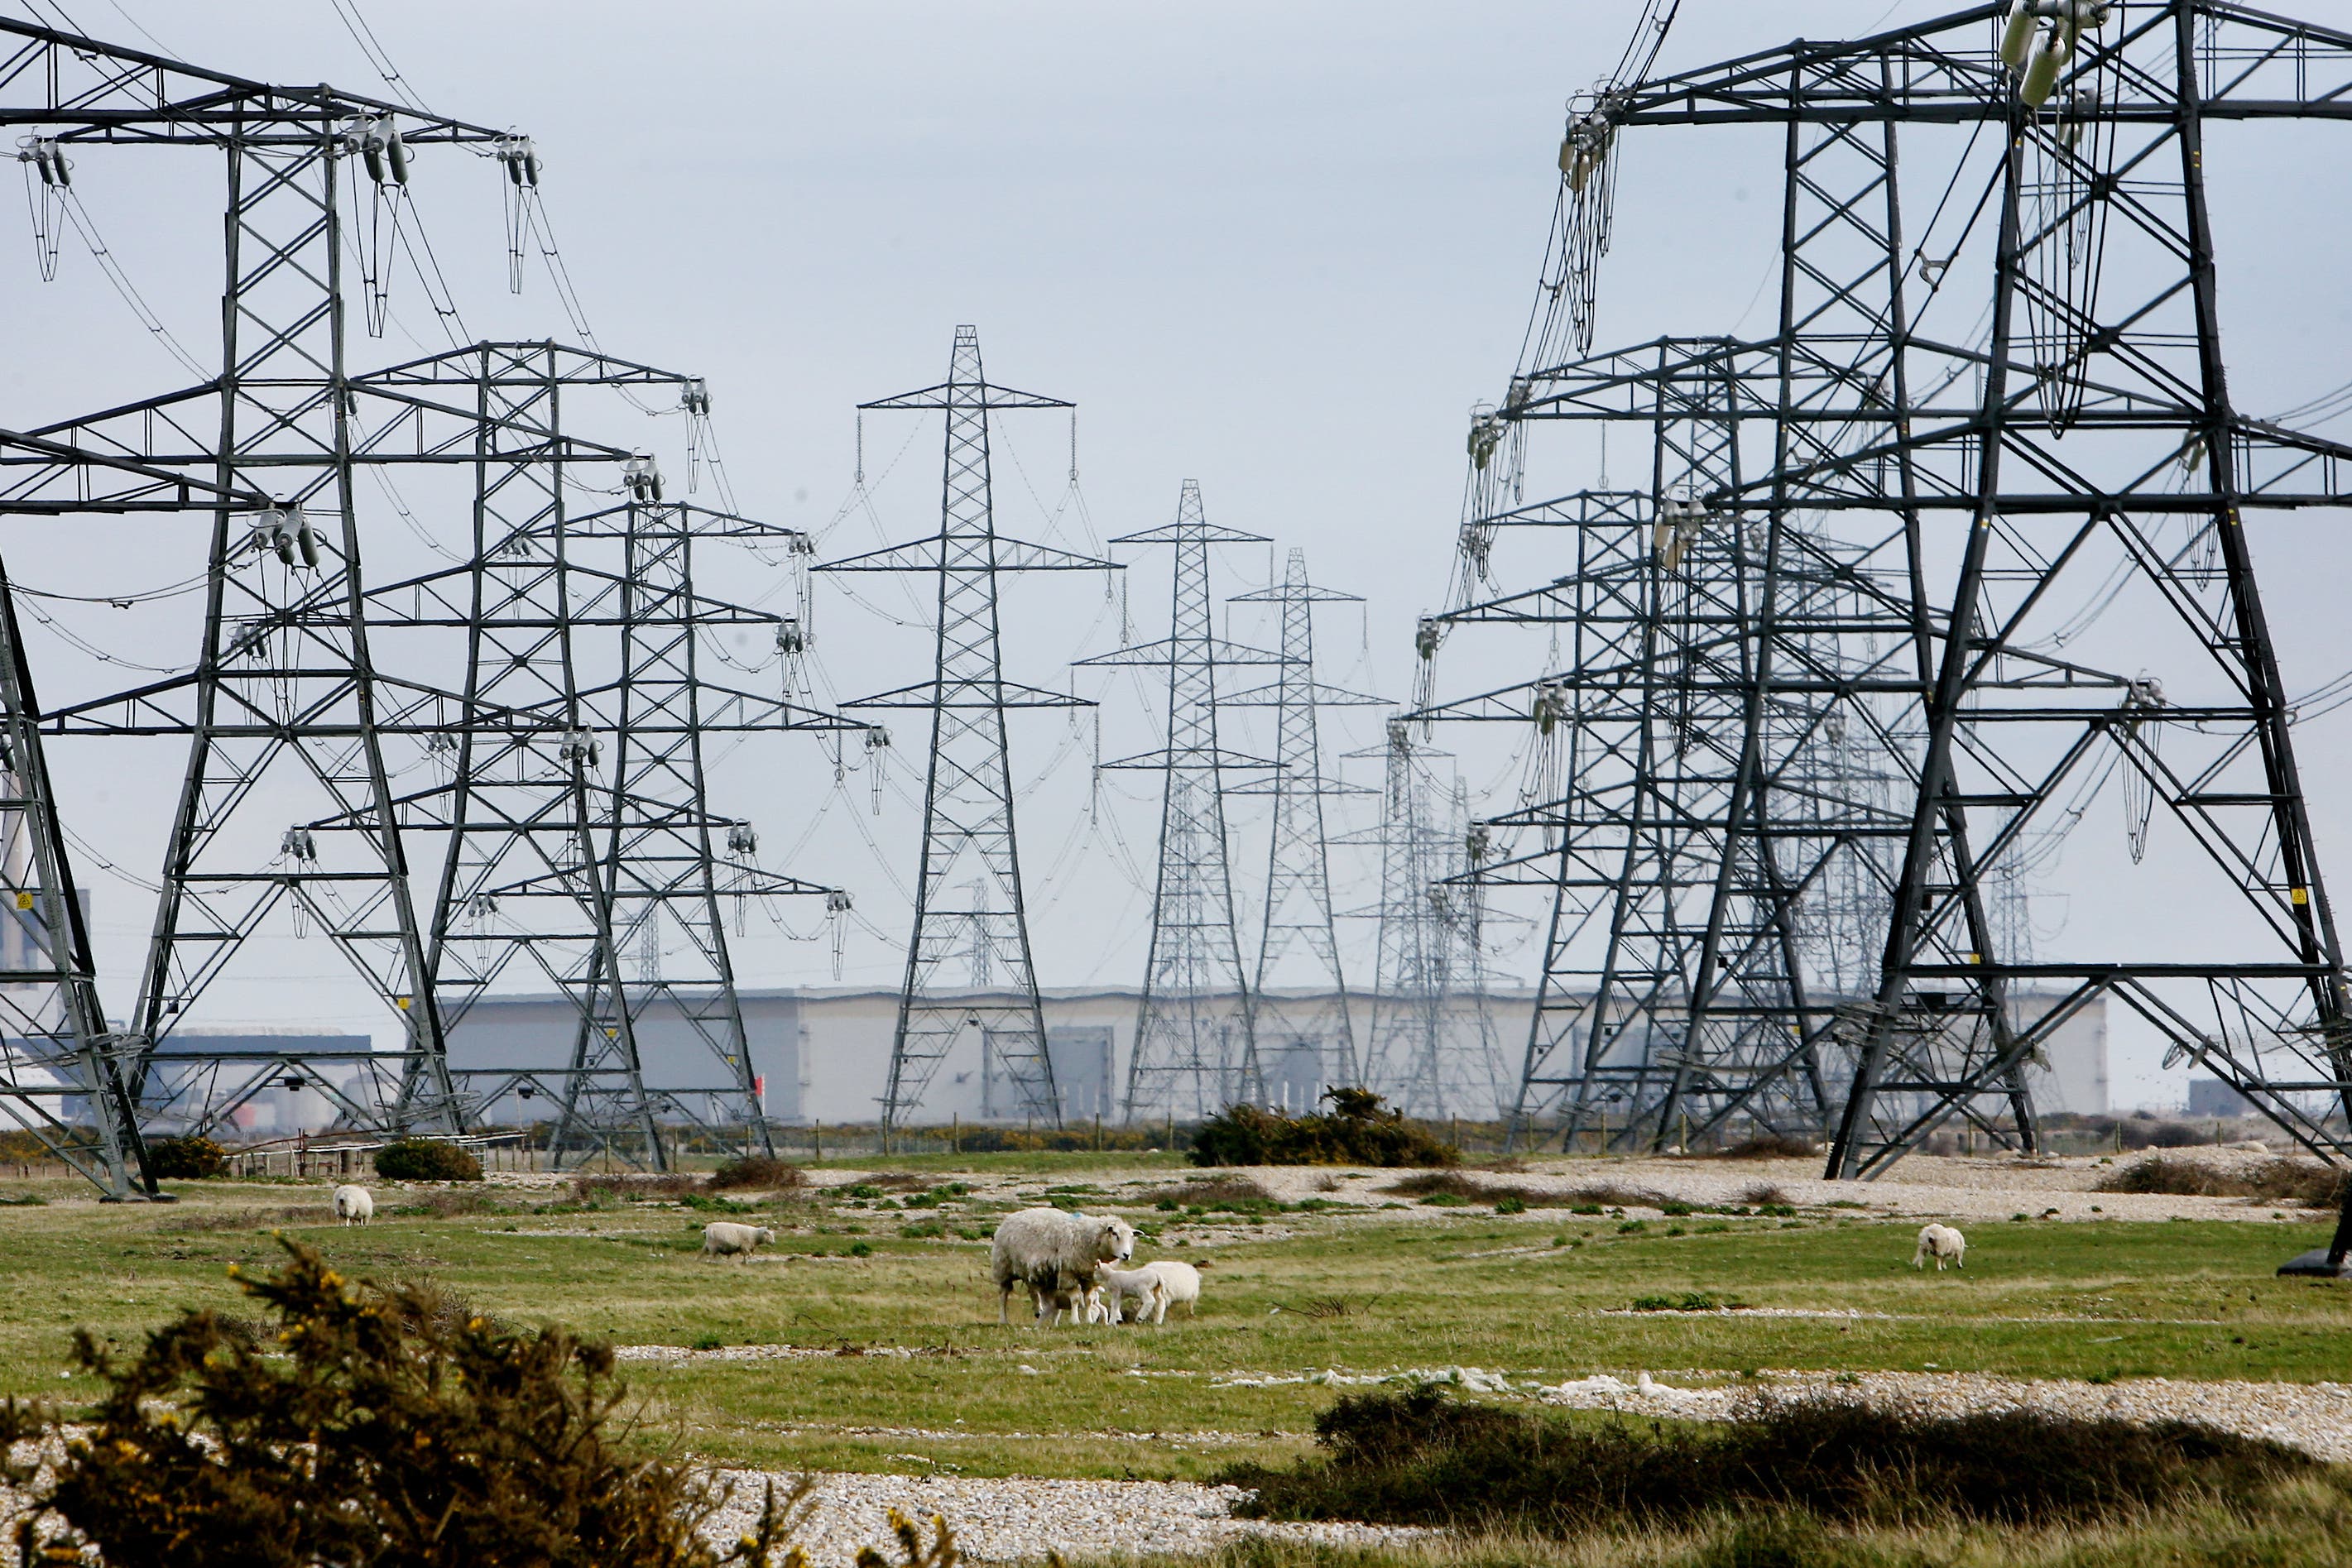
x,y
824,1054
273,1109
2212,1097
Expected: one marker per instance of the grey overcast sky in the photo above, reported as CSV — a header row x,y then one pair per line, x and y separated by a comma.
x,y
1280,249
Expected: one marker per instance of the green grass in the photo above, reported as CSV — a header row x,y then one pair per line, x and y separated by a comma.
x,y
1421,1288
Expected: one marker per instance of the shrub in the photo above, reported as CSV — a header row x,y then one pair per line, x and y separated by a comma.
x,y
757,1171
1434,1186
375,1430
2276,1180
423,1159
19,1147
1768,1147
1229,1194
444,1203
1424,1458
633,1189
185,1159
1358,1129
973,1140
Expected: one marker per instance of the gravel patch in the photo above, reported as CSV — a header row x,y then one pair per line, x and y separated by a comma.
x,y
1922,1187
1004,1521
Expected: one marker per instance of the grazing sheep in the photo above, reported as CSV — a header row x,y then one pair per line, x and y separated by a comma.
x,y
1056,1256
723,1239
353,1206
1940,1242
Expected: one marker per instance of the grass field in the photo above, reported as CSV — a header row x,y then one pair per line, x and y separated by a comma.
x,y
1360,1287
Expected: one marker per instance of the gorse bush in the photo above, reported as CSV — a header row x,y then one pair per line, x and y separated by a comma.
x,y
1358,1129
374,1427
1424,1459
421,1159
18,1146
185,1159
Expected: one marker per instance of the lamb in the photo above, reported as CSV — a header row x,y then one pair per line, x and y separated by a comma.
x,y
1158,1286
1179,1286
1084,1306
723,1239
1122,1285
1054,1255
353,1206
1940,1242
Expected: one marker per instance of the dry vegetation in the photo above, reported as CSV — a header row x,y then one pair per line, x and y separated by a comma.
x,y
2274,1180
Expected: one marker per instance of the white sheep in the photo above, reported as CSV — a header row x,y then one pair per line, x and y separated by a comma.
x,y
353,1206
1122,1285
1157,1286
1179,1286
1083,1306
1055,1256
1940,1242
724,1237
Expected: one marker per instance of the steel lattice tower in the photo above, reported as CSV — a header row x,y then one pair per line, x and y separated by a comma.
x,y
284,691
289,690
58,1048
968,828
2079,451
1685,807
1298,872
1195,1047
56,1042
1411,1054
580,836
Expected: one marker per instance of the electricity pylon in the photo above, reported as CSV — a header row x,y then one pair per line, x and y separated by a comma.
x,y
284,696
58,1051
1195,1042
56,1044
1298,924
1679,802
2017,401
968,828
1416,1052
580,834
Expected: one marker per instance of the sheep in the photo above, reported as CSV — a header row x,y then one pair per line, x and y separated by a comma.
x,y
1179,1286
722,1238
1055,1255
1084,1306
1120,1285
353,1206
1157,1286
1939,1242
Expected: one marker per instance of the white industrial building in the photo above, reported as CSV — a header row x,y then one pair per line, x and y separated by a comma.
x,y
824,1054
